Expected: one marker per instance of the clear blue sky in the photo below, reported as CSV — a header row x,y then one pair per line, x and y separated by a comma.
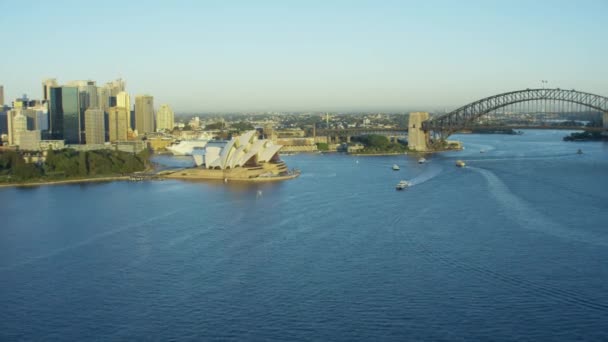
x,y
307,55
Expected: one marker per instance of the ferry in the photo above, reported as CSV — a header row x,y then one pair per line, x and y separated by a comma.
x,y
396,167
421,160
460,163
402,185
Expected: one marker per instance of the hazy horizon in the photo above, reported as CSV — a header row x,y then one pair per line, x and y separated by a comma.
x,y
307,56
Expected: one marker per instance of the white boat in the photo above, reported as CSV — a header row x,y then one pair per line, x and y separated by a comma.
x,y
185,147
460,163
396,167
402,185
421,160
482,151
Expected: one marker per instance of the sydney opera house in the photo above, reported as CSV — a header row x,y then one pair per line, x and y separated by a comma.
x,y
245,157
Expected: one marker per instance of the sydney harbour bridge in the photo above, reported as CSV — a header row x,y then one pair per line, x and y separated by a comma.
x,y
425,132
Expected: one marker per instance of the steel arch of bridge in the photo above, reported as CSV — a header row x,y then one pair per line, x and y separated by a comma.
x,y
460,118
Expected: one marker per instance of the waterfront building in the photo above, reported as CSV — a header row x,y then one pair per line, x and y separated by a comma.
x,y
28,140
245,150
1,96
64,114
17,123
94,126
46,88
56,145
144,114
245,158
165,118
118,124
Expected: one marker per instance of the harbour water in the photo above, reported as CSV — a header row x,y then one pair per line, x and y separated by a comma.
x,y
512,247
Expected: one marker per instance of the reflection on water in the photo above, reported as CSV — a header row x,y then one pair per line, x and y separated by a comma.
x,y
473,253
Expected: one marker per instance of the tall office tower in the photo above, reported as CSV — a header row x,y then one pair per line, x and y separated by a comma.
x,y
46,88
30,115
123,100
17,123
118,123
94,126
116,86
165,118
103,97
64,114
3,122
144,114
1,96
41,116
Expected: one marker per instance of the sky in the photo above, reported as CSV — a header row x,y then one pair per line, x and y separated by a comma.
x,y
246,56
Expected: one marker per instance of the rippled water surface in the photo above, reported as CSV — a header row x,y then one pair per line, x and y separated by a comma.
x,y
512,247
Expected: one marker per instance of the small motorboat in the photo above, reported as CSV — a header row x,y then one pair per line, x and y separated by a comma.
x,y
402,185
579,151
421,160
396,167
482,151
460,163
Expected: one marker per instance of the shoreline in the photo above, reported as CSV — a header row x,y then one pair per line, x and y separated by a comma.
x,y
66,181
378,154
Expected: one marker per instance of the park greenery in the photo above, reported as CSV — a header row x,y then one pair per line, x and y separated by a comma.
x,y
322,146
69,164
379,144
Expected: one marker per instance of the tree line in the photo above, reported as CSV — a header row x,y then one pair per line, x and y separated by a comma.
x,y
69,163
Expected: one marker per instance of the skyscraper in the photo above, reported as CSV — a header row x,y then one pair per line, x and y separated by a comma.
x,y
1,96
64,114
165,118
17,123
116,86
123,100
118,123
94,126
144,114
46,88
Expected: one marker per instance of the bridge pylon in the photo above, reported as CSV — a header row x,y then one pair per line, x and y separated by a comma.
x,y
417,138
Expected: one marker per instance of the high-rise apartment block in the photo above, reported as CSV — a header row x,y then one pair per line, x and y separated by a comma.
x,y
94,126
144,114
165,118
118,119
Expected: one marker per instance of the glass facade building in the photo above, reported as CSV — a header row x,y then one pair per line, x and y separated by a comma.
x,y
65,115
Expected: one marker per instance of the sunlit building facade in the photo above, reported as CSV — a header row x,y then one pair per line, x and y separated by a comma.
x,y
165,118
144,114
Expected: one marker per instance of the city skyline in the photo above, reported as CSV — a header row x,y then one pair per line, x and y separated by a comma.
x,y
312,56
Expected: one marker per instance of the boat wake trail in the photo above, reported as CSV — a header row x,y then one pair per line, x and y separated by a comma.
x,y
530,219
432,172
